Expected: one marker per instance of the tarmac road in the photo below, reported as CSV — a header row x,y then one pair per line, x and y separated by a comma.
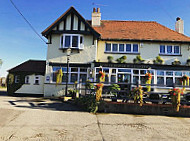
x,y
38,119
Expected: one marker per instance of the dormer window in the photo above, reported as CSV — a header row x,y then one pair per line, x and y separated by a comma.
x,y
72,40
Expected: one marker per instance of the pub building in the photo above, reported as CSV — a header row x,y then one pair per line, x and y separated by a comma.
x,y
125,50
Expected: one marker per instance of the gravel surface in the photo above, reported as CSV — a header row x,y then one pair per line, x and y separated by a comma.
x,y
38,119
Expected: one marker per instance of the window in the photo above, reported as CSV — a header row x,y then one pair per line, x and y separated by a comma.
x,y
67,41
170,49
135,47
37,80
27,80
176,49
55,71
71,40
74,74
128,47
108,47
168,78
114,47
75,41
17,79
162,49
121,48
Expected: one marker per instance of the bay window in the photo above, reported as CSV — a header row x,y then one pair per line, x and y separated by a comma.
x,y
72,41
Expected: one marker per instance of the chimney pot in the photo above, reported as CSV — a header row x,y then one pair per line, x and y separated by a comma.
x,y
94,10
98,10
178,18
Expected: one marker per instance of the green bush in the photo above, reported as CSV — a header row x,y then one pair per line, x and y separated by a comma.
x,y
110,59
88,103
114,88
122,59
158,60
138,59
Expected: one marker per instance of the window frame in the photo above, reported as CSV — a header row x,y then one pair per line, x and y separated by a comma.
x,y
80,44
172,48
78,72
17,79
125,48
27,78
35,79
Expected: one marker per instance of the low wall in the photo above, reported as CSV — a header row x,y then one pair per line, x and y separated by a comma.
x,y
146,109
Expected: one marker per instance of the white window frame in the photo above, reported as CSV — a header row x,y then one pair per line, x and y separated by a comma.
x,y
17,79
125,48
35,78
110,47
27,78
80,45
71,72
172,53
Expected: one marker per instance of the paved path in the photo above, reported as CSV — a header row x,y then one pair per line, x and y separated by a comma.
x,y
38,119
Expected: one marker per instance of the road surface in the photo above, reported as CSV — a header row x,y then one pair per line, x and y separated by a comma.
x,y
38,119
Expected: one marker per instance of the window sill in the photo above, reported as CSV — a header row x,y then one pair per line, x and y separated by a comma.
x,y
132,53
72,48
170,54
27,83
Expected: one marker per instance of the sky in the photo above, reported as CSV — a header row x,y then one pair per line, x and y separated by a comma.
x,y
18,42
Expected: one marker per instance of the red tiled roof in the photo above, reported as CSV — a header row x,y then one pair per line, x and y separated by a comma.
x,y
138,30
32,66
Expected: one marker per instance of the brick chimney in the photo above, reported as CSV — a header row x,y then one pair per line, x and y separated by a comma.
x,y
96,17
179,25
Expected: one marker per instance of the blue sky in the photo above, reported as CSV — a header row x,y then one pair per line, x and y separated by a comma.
x,y
19,43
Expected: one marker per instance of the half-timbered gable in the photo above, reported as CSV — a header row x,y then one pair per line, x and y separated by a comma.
x,y
71,22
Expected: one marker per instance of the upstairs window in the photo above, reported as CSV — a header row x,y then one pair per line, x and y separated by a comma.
x,y
162,49
176,50
72,41
135,47
121,48
108,47
169,49
114,47
128,47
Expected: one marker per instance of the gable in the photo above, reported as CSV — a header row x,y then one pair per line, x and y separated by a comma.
x,y
70,22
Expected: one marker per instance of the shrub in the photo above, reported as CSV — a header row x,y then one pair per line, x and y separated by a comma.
x,y
158,60
138,59
122,59
176,62
88,103
114,88
110,59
